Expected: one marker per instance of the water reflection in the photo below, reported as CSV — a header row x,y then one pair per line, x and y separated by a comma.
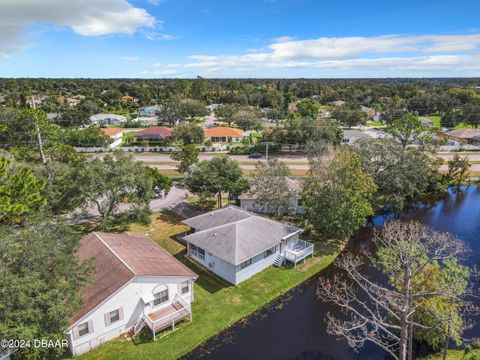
x,y
293,327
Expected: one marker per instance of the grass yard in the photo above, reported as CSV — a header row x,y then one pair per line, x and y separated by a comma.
x,y
436,123
375,123
456,355
217,305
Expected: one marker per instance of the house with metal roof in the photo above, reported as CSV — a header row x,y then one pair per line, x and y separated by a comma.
x,y
236,244
136,284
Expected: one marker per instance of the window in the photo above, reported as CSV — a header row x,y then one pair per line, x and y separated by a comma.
x,y
246,263
114,316
269,252
197,252
83,329
185,287
160,297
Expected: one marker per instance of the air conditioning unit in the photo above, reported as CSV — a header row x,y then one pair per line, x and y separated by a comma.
x,y
211,265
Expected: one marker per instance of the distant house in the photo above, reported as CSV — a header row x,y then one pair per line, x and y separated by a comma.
x,y
74,100
53,116
107,119
224,134
469,136
425,121
212,107
350,136
236,244
154,133
148,111
248,201
338,103
112,133
136,284
370,112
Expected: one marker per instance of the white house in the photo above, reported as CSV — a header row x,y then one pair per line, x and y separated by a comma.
x,y
136,284
350,136
249,201
107,119
236,244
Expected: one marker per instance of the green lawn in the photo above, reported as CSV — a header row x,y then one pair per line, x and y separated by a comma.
x,y
456,355
436,122
218,305
375,123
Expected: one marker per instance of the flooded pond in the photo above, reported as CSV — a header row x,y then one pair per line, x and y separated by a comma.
x,y
293,327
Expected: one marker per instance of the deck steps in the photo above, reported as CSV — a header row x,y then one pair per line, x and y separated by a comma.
x,y
279,260
139,325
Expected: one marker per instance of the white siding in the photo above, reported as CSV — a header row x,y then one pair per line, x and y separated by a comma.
x,y
218,266
128,298
258,264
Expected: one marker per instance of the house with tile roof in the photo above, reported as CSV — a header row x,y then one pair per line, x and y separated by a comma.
x,y
154,133
236,244
223,134
136,284
112,133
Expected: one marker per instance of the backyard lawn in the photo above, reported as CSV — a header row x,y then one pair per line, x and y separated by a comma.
x,y
456,355
217,304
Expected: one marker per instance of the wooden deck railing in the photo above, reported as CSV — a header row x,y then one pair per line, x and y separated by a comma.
x,y
172,318
300,253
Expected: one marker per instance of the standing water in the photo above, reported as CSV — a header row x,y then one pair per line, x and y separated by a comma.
x,y
293,327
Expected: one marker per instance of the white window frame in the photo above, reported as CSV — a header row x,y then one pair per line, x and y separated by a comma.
x,y
158,296
195,250
80,329
245,264
269,252
117,311
183,287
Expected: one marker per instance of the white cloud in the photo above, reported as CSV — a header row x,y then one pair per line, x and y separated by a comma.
x,y
130,58
85,17
155,2
394,53
152,35
160,72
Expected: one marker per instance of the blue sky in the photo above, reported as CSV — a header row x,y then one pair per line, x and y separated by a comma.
x,y
249,38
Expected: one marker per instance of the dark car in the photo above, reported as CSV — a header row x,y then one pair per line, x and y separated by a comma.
x,y
254,156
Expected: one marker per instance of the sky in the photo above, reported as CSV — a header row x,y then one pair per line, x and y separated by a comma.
x,y
239,39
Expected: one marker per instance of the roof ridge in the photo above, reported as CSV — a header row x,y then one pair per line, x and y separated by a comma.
x,y
114,253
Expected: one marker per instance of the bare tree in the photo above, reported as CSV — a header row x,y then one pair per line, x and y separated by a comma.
x,y
385,315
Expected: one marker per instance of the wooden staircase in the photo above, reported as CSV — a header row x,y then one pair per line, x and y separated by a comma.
x,y
139,325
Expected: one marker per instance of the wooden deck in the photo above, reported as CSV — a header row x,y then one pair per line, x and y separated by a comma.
x,y
167,316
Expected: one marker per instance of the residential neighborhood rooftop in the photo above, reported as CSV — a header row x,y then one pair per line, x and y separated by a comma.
x,y
464,133
223,131
118,258
111,131
163,131
236,235
294,185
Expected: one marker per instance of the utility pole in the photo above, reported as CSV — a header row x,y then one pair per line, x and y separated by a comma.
x,y
266,143
39,135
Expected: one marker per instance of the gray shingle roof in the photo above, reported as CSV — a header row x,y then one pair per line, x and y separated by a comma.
x,y
236,235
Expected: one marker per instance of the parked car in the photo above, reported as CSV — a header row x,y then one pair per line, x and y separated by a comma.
x,y
254,156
